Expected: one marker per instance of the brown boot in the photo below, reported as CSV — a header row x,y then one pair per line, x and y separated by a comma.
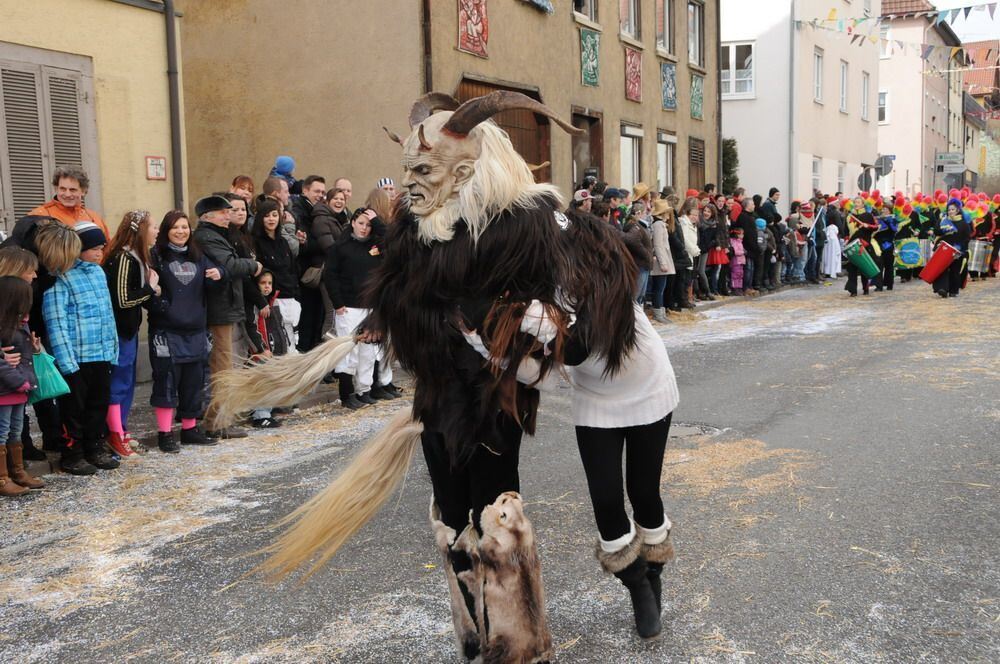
x,y
15,465
8,487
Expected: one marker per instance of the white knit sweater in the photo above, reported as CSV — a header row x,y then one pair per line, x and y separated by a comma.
x,y
643,391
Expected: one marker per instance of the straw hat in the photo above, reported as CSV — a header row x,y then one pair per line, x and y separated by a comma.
x,y
639,190
660,208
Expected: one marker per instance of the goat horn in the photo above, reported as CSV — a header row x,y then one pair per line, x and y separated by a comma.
x,y
392,136
480,109
427,104
424,145
537,167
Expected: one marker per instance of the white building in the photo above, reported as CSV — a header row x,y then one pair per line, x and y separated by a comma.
x,y
920,109
800,101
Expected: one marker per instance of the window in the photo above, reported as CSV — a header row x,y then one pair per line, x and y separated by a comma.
x,y
696,33
817,174
841,176
818,75
46,120
868,7
736,62
629,17
883,107
696,163
865,84
631,156
884,45
664,26
843,86
586,7
666,149
588,146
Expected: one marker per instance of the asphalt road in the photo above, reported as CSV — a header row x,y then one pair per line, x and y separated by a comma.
x,y
832,477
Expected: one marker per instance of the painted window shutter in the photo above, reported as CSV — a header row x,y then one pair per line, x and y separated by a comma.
x,y
22,129
64,109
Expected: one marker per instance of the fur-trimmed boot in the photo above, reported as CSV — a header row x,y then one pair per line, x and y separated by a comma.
x,y
512,610
464,581
657,550
631,570
15,466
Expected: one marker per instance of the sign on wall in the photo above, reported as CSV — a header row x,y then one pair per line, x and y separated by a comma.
x,y
697,96
473,27
590,61
156,168
668,83
633,74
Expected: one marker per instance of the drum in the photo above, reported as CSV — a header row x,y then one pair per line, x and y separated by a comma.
x,y
861,259
909,255
979,256
939,262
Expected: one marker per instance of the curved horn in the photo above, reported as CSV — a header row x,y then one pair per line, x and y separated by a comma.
x,y
537,167
392,136
424,144
429,103
480,109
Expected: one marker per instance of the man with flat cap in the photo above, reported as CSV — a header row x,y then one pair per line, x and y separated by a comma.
x,y
225,303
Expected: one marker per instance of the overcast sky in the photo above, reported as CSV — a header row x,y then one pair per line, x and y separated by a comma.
x,y
978,26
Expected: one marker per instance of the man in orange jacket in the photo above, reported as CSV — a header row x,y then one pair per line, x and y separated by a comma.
x,y
71,184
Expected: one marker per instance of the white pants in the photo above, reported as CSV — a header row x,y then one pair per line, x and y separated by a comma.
x,y
291,312
360,363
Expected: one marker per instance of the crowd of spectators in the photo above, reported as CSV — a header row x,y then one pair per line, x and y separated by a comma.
x,y
250,276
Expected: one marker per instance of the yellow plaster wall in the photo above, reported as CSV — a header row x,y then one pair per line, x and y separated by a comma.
x,y
128,48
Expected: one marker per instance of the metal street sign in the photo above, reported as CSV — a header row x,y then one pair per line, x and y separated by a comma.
x,y
953,168
883,165
949,157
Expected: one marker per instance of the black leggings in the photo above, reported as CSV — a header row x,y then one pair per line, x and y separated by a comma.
x,y
601,453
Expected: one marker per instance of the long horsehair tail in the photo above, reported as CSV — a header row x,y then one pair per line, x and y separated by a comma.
x,y
277,381
330,518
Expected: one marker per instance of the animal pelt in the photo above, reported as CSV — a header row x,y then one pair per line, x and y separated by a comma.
x,y
657,553
512,610
421,296
616,561
602,279
464,581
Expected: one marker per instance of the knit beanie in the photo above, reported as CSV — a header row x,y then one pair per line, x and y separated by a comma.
x,y
384,182
284,165
90,235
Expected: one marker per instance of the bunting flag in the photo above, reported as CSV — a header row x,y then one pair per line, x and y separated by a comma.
x,y
938,16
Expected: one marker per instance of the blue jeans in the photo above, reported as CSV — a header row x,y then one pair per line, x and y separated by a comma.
x,y
812,262
640,294
798,271
123,376
659,283
11,421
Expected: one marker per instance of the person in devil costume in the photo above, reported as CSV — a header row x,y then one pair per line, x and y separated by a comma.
x,y
475,245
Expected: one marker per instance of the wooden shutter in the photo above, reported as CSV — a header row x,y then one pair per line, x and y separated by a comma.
x,y
696,163
22,131
64,111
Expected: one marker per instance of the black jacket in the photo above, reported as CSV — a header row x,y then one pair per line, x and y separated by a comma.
x,y
639,243
129,291
12,378
347,268
225,304
327,225
678,249
312,253
276,257
23,235
748,223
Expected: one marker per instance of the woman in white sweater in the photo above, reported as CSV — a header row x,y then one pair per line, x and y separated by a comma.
x,y
622,404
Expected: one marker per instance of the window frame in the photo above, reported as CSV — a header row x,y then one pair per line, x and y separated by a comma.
x,y
883,109
668,141
696,11
729,65
885,42
816,179
844,85
634,19
866,82
818,60
635,134
591,15
664,18
841,176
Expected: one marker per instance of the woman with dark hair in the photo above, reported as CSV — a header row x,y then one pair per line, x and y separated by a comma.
x,y
243,241
132,282
273,252
708,239
348,266
178,332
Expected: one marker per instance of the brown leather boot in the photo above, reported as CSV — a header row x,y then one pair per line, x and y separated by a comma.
x,y
15,465
9,487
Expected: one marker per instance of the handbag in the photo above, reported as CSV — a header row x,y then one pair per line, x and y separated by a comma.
x,y
51,383
312,277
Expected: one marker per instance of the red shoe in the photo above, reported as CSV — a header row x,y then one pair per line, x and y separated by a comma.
x,y
120,447
137,447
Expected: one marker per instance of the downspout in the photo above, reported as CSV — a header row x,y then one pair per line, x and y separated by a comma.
x,y
791,104
718,95
425,26
173,84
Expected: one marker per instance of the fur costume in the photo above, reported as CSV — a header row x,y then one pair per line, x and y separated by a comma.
x,y
474,245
